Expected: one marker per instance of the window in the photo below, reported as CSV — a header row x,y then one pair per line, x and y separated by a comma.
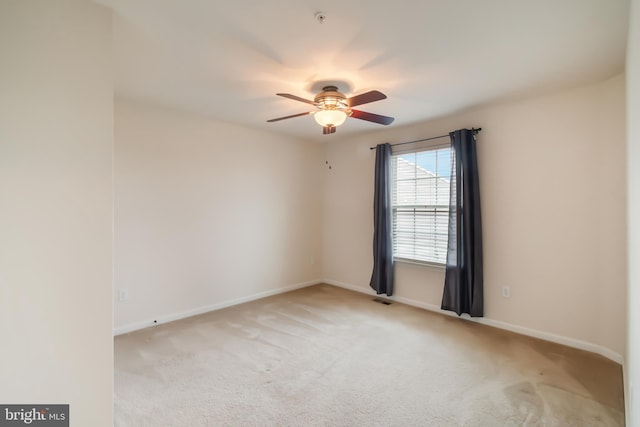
x,y
420,203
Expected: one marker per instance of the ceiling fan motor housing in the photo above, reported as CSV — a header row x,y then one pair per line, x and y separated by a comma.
x,y
331,99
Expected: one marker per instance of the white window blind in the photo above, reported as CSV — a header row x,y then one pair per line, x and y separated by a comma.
x,y
420,201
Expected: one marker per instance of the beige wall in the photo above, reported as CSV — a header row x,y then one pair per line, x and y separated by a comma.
x,y
208,213
56,143
552,173
632,366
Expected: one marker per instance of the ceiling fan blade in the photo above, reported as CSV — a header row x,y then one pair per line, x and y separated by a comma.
x,y
366,98
290,117
326,130
295,98
370,117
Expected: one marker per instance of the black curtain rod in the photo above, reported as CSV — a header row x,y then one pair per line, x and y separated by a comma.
x,y
474,130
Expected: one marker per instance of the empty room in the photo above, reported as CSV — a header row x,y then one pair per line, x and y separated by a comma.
x,y
319,213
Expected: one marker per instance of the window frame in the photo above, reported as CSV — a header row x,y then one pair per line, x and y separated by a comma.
x,y
431,210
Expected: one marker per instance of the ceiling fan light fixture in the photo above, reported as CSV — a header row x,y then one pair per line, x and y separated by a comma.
x,y
330,117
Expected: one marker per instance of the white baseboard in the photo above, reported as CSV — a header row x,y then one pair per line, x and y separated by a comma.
x,y
559,339
205,309
570,342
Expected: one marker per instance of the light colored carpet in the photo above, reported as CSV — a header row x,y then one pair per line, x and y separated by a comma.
x,y
324,356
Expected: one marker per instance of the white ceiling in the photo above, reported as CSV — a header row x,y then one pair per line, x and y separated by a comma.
x,y
227,59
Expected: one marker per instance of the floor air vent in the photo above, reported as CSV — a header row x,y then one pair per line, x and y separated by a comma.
x,y
382,301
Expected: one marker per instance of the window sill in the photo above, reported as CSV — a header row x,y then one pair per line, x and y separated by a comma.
x,y
430,265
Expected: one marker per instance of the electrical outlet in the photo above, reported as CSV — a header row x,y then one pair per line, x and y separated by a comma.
x,y
506,292
123,294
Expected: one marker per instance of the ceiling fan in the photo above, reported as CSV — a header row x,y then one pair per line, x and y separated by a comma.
x,y
333,108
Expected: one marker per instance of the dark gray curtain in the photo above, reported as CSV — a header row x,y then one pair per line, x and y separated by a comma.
x,y
463,286
382,276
